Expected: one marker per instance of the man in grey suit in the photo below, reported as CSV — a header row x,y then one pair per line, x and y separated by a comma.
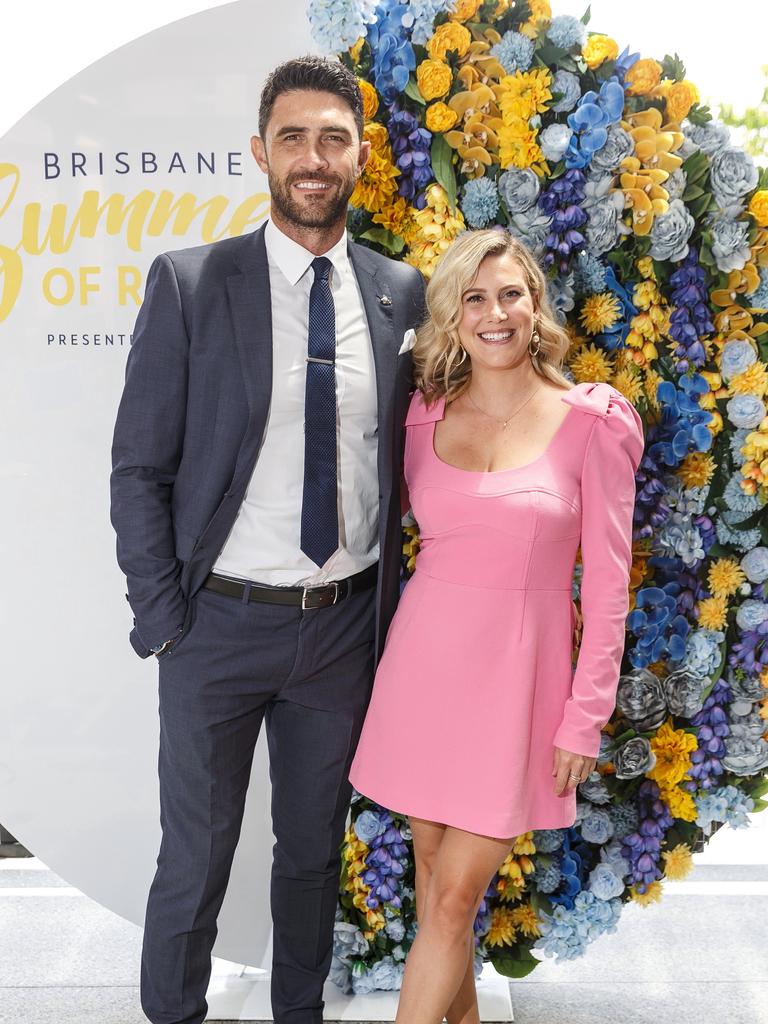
x,y
255,497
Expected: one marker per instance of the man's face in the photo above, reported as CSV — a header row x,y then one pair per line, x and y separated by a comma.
x,y
312,157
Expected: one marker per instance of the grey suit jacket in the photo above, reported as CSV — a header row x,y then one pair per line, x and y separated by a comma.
x,y
193,411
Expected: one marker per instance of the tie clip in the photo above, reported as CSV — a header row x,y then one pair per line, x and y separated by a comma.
x,y
314,359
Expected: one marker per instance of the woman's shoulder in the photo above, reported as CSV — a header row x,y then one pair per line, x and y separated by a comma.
x,y
619,424
420,412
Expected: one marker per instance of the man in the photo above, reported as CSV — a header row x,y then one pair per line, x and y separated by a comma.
x,y
255,492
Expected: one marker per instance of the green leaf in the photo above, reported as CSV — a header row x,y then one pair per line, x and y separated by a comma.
x,y
759,790
442,164
760,805
382,236
414,92
585,18
692,192
673,67
517,965
699,114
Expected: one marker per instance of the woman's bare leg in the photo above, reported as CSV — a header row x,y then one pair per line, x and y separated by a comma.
x,y
437,963
427,837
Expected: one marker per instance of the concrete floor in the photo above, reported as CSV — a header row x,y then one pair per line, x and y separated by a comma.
x,y
698,956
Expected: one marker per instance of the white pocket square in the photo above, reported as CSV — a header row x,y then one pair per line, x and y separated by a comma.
x,y
409,340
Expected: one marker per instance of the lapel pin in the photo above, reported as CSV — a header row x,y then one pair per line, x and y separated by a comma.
x,y
385,300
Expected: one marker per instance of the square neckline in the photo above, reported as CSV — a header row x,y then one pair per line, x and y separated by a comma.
x,y
495,472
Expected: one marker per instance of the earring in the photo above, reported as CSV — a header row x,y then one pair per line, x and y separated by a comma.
x,y
536,339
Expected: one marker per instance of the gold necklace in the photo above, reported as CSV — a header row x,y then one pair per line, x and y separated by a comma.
x,y
506,421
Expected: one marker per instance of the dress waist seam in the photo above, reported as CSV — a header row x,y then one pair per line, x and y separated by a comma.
x,y
477,586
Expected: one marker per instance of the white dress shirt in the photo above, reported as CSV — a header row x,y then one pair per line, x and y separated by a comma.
x,y
264,542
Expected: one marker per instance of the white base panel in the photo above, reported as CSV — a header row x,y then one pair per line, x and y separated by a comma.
x,y
242,993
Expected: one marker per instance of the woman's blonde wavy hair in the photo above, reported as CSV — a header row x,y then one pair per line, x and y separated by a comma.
x,y
439,368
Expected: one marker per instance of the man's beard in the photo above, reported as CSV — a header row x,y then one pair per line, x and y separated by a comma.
x,y
292,210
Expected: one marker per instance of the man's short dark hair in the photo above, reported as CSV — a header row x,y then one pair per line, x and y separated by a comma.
x,y
317,74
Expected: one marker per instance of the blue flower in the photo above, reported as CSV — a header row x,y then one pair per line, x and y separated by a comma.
x,y
588,274
724,804
730,242
605,883
424,13
338,24
736,357
480,202
590,120
596,826
759,297
566,31
367,826
514,51
519,188
746,411
393,56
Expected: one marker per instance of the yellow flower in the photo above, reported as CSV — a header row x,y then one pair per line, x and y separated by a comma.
x,y
502,931
599,49
643,76
397,218
680,803
599,312
356,49
518,147
680,99
450,36
673,749
474,141
524,844
712,612
378,136
753,381
370,99
645,268
524,917
652,894
758,207
524,94
592,364
434,79
652,381
465,9
725,577
440,117
539,16
376,184
628,382
411,546
435,228
697,469
678,862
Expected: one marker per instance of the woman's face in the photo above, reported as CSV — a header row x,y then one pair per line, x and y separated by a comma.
x,y
498,314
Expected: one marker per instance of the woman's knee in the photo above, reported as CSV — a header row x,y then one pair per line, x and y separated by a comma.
x,y
451,906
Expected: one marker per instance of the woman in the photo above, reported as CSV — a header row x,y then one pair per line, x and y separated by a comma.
x,y
478,729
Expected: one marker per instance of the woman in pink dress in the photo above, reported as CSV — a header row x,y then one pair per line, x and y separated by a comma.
x,y
478,728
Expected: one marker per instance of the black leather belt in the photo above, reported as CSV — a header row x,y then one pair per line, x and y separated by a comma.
x,y
319,596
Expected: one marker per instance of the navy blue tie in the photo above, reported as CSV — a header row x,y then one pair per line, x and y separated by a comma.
x,y
319,518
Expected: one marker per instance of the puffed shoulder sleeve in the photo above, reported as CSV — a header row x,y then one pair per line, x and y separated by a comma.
x,y
613,453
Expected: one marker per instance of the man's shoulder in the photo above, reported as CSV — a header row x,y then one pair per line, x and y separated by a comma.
x,y
226,255
396,270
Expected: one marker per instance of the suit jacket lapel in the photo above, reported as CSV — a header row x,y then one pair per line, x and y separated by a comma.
x,y
251,309
377,301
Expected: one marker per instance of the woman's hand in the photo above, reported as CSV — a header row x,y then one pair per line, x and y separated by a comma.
x,y
567,763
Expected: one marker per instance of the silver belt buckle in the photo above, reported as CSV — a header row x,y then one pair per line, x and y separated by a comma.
x,y
322,586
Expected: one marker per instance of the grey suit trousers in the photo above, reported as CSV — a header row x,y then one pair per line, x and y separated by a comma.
x,y
309,675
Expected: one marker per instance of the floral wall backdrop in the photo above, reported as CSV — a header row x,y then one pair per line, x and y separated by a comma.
x,y
653,229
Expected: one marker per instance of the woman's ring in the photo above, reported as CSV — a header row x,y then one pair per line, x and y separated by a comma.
x,y
577,777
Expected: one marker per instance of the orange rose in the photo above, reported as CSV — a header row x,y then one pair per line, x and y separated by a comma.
x,y
434,79
680,98
440,117
758,207
370,99
643,76
449,36
599,49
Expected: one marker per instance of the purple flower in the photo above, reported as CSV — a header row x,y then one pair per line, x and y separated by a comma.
x,y
411,151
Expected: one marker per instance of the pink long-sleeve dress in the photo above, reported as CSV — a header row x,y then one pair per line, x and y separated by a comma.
x,y
475,686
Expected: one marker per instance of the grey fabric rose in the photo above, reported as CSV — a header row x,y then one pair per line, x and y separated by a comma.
x,y
746,750
532,228
733,174
618,146
634,758
709,137
670,232
746,411
676,184
683,689
567,83
744,693
604,209
519,188
730,243
640,698
594,789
